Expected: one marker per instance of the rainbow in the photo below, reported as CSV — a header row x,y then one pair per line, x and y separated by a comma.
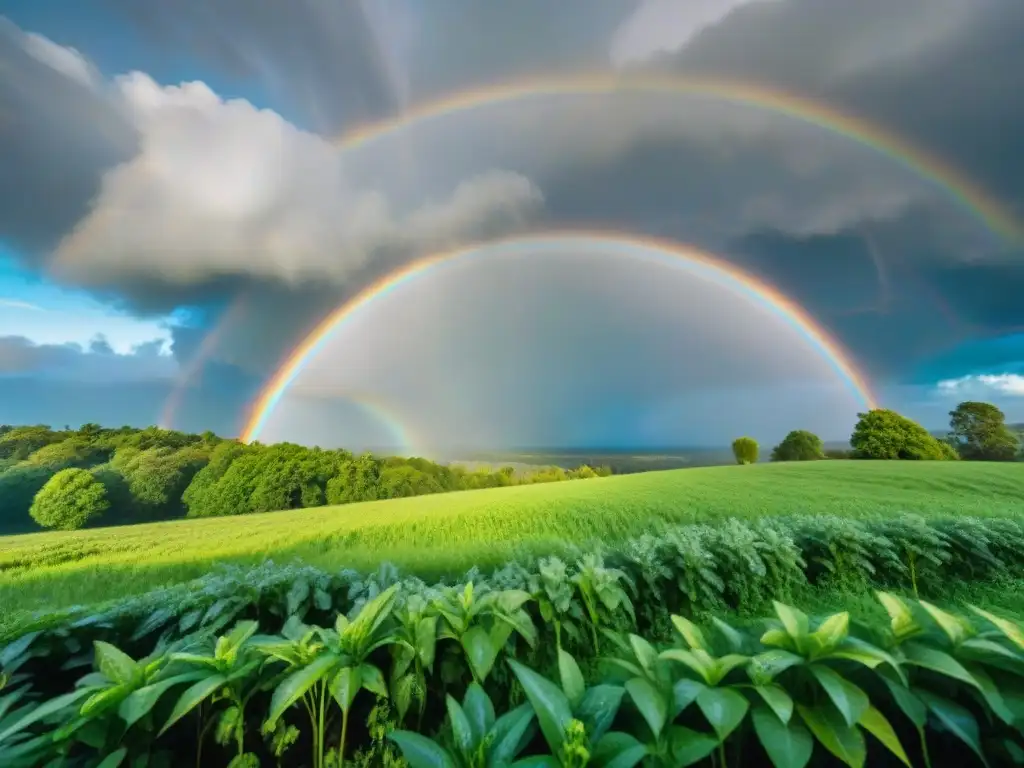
x,y
941,174
720,271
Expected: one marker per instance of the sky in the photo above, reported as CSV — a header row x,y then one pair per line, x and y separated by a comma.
x,y
643,187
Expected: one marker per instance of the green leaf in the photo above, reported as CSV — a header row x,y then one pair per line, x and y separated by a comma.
x,y
344,686
690,659
906,700
732,637
836,736
992,695
572,679
507,735
426,640
874,722
537,761
957,720
479,711
480,651
114,758
901,617
372,679
776,697
598,708
548,701
684,693
139,703
937,661
855,649
618,750
40,712
421,752
691,633
103,700
795,622
832,631
765,667
117,665
643,651
788,744
724,708
1008,628
952,625
688,746
462,731
850,700
191,697
241,632
294,687
649,702
401,692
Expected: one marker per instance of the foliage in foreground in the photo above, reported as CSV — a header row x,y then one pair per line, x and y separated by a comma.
x,y
791,690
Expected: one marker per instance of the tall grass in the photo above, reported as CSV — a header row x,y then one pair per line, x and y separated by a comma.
x,y
447,533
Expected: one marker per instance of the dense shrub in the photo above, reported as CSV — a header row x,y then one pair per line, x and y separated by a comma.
x,y
799,445
69,500
745,449
885,434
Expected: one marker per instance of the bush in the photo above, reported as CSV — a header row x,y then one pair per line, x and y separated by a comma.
x,y
69,500
745,449
885,434
799,445
979,433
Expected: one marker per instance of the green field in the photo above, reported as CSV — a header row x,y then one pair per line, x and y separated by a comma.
x,y
444,533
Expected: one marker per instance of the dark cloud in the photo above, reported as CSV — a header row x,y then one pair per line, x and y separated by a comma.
x,y
96,363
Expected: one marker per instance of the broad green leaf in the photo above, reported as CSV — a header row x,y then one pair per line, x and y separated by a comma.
x,y
832,631
732,637
907,700
571,677
140,702
688,746
618,750
937,661
765,667
191,697
117,665
778,638
480,651
874,722
989,652
462,731
598,708
650,703
1008,628
114,759
479,711
421,752
511,600
788,745
103,700
901,617
35,714
426,640
795,622
992,695
507,735
724,665
401,693
344,686
684,693
691,633
690,659
850,700
956,629
643,651
537,761
294,687
372,679
776,697
957,720
724,708
548,701
855,649
836,736
241,632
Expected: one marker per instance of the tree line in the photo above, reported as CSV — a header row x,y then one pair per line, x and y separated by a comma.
x,y
68,478
978,432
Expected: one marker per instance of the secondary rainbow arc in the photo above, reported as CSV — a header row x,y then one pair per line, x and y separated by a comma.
x,y
740,280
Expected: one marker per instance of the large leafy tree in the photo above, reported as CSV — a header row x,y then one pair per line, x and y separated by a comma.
x,y
885,434
69,500
745,449
799,445
978,431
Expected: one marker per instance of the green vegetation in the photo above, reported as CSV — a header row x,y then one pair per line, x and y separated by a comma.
x,y
69,500
799,445
979,432
442,533
745,449
885,434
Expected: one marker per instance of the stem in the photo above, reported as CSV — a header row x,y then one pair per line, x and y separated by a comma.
x,y
312,722
924,748
344,734
913,574
323,702
721,754
240,731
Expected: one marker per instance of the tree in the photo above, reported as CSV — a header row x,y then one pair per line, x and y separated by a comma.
x,y
69,500
799,445
745,449
885,434
979,433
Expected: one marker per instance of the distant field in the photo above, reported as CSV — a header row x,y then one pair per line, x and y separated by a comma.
x,y
443,533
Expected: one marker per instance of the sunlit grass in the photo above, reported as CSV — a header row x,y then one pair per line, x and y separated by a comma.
x,y
446,533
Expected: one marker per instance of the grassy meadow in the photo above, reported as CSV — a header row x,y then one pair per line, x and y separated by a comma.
x,y
438,534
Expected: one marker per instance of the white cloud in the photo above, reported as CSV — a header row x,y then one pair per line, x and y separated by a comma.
x,y
67,61
221,187
18,304
1011,384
